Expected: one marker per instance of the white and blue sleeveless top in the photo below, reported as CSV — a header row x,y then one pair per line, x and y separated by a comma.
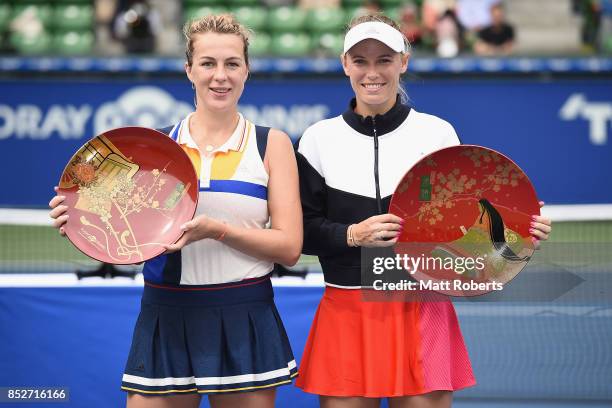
x,y
234,189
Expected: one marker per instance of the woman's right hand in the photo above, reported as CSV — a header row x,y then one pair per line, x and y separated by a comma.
x,y
378,231
58,211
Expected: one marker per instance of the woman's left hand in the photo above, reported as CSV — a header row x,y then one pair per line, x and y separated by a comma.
x,y
540,228
201,227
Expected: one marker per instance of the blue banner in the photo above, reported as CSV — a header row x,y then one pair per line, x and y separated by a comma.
x,y
557,131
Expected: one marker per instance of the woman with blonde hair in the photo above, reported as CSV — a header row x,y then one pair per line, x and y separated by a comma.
x,y
208,324
360,351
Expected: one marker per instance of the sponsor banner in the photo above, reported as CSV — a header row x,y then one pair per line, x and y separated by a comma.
x,y
558,132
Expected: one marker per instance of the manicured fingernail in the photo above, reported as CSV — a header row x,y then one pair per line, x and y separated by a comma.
x,y
402,221
535,240
532,224
534,217
531,230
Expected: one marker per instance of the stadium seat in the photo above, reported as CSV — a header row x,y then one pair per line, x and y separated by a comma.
x,y
73,43
31,45
393,13
321,20
69,17
42,12
286,19
201,3
196,12
252,3
253,17
352,12
352,3
392,3
330,44
290,44
260,44
5,16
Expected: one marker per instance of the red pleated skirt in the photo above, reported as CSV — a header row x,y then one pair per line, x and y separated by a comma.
x,y
376,349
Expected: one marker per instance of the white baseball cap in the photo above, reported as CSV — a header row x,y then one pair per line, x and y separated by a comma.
x,y
376,30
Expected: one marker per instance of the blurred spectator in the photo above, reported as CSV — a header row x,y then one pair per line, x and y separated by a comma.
x,y
106,43
590,10
312,4
277,3
410,24
449,35
498,38
105,11
433,10
27,23
474,15
137,24
440,27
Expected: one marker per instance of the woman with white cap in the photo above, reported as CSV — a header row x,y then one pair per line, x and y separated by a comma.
x,y
361,351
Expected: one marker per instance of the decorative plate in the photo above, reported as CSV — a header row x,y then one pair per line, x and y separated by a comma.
x,y
128,191
467,212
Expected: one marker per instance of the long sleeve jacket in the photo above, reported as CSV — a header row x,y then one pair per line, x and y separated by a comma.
x,y
349,167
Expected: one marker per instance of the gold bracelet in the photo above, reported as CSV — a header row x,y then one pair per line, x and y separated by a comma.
x,y
351,239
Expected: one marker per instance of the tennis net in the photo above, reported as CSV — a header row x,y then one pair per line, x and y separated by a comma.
x,y
29,244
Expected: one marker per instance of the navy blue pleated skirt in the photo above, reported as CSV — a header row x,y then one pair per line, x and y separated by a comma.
x,y
208,339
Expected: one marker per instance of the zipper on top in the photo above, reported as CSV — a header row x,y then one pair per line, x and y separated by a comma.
x,y
376,178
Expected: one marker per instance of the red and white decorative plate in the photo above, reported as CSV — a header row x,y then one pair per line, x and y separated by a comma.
x,y
466,202
128,191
